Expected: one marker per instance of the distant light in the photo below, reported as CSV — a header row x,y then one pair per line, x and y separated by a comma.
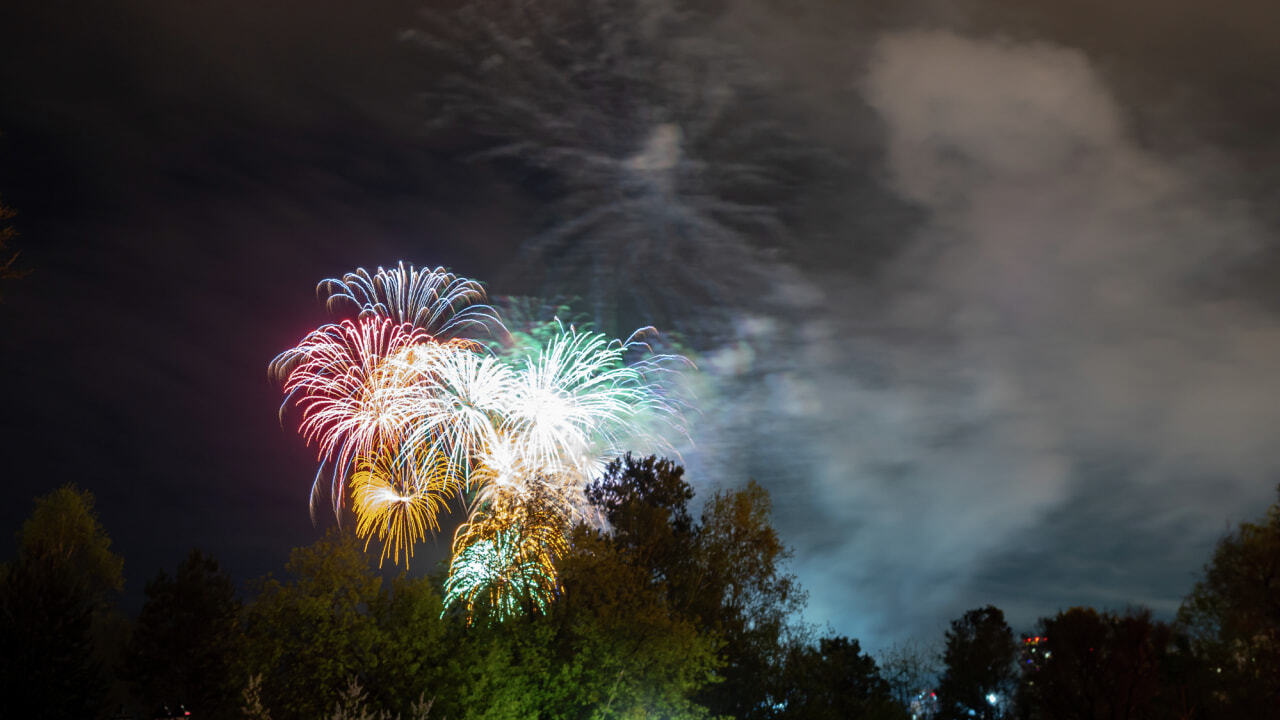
x,y
992,698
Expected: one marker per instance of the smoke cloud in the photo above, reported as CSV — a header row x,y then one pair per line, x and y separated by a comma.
x,y
1056,393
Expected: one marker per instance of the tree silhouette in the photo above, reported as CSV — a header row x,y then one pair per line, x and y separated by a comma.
x,y
187,642
724,572
53,609
979,678
1099,666
1233,617
834,680
909,669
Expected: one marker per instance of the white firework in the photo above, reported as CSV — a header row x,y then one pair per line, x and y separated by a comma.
x,y
436,301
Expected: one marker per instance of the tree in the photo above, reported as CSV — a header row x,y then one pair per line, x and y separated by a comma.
x,y
610,646
910,670
1233,618
832,681
613,645
723,573
63,531
646,503
309,636
621,649
979,676
187,641
414,647
648,615
54,603
1099,666
653,612
740,592
315,643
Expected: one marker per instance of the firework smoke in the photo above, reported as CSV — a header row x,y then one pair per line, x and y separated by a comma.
x,y
668,184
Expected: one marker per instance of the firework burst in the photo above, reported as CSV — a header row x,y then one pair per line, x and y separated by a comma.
x,y
504,559
436,301
399,499
574,399
462,393
352,401
405,421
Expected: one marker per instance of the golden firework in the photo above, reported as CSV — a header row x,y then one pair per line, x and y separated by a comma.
x,y
398,498
504,559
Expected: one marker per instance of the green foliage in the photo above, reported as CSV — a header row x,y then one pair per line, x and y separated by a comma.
x,y
615,644
54,611
740,592
664,615
497,673
63,531
723,573
612,645
187,641
978,659
655,617
1233,619
413,646
624,650
334,620
309,636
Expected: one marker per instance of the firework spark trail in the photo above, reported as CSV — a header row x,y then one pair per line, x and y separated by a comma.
x,y
414,420
400,501
504,559
436,301
461,394
671,181
576,393
352,401
499,574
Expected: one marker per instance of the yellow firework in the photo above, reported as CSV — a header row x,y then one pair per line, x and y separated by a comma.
x,y
504,559
399,498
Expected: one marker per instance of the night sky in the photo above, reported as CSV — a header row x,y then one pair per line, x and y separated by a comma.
x,y
1018,346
